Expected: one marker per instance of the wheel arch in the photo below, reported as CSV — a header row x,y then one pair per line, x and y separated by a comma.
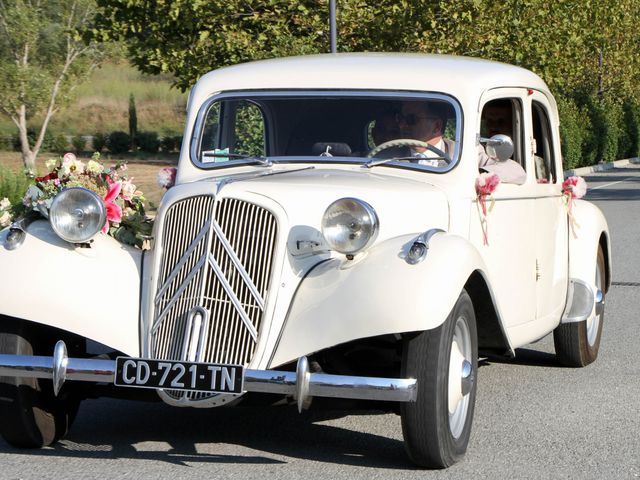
x,y
93,292
492,338
604,244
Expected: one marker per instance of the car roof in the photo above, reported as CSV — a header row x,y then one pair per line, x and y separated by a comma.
x,y
456,75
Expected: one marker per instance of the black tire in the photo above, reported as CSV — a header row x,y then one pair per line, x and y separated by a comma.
x,y
572,340
426,426
30,415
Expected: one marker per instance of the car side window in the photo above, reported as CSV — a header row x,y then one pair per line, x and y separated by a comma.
x,y
234,126
542,145
504,116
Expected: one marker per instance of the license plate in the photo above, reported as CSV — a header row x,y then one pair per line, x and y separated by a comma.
x,y
173,375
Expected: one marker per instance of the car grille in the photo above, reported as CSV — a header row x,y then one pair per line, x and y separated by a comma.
x,y
215,268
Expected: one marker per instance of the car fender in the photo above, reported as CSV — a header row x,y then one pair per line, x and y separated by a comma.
x,y
376,293
93,292
590,226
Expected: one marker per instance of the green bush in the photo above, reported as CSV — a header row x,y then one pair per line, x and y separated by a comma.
x,y
78,143
630,140
60,144
99,141
148,142
13,185
606,131
6,142
177,140
168,143
118,142
47,141
574,130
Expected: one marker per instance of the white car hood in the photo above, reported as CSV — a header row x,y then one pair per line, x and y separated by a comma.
x,y
402,205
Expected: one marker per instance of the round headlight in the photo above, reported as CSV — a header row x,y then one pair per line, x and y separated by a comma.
x,y
349,225
77,214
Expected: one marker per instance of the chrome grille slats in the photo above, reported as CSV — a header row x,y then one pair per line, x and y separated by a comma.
x,y
217,255
183,223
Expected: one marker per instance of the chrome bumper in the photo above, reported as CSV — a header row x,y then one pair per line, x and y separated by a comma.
x,y
302,384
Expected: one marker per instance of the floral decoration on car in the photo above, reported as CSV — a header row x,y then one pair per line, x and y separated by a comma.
x,y
167,177
6,215
573,188
486,184
126,218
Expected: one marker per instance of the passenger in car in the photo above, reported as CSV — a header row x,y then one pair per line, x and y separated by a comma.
x,y
426,121
497,118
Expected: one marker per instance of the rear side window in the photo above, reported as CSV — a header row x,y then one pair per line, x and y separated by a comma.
x,y
542,145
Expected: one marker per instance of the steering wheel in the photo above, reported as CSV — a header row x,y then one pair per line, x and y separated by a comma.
x,y
409,142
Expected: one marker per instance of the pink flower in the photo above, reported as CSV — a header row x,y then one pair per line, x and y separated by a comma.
x,y
486,183
114,212
575,187
167,177
69,157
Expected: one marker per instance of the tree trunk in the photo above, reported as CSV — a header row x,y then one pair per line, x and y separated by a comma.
x,y
28,156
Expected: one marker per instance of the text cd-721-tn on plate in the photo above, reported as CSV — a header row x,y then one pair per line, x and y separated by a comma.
x,y
174,375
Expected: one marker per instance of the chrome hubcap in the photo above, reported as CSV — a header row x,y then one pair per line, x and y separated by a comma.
x,y
593,323
461,377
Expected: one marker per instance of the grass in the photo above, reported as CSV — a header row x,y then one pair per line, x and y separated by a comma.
x,y
101,104
143,172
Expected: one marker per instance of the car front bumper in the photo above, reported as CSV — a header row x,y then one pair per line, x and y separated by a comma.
x,y
302,384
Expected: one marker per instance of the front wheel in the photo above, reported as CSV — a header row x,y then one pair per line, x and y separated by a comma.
x,y
30,415
437,426
577,344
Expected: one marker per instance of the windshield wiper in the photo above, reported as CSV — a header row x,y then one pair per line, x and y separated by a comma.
x,y
264,161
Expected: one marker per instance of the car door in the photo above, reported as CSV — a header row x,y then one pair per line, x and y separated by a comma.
x,y
509,250
551,235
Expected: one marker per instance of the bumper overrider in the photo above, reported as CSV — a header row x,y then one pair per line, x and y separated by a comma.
x,y
301,384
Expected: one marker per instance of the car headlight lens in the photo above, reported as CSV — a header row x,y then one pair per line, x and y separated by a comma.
x,y
77,214
349,225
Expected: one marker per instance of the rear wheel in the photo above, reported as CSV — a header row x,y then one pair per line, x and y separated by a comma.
x,y
577,344
30,415
437,426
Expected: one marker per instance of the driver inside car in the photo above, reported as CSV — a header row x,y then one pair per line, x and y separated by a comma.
x,y
426,121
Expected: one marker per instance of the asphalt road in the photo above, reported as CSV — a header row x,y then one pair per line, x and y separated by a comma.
x,y
533,419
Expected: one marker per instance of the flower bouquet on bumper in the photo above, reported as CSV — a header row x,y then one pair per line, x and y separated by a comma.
x,y
123,203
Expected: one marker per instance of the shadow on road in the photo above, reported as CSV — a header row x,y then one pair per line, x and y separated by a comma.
x,y
617,194
527,357
114,429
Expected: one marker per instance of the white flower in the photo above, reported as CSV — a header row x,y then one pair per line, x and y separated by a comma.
x,y
51,164
5,219
128,190
94,167
4,204
71,165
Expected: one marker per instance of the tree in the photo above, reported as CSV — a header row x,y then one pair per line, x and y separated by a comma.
x,y
133,121
190,37
42,58
561,40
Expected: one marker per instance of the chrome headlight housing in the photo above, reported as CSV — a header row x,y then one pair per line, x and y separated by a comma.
x,y
77,214
349,225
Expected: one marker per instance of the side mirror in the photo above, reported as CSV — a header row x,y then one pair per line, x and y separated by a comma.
x,y
499,146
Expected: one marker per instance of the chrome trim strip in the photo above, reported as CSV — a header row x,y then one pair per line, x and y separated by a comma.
x,y
182,261
266,381
234,299
176,295
236,262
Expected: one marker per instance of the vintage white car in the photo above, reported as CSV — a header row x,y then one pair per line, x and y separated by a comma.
x,y
325,238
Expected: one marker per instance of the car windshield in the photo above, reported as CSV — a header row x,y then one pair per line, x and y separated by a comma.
x,y
413,131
